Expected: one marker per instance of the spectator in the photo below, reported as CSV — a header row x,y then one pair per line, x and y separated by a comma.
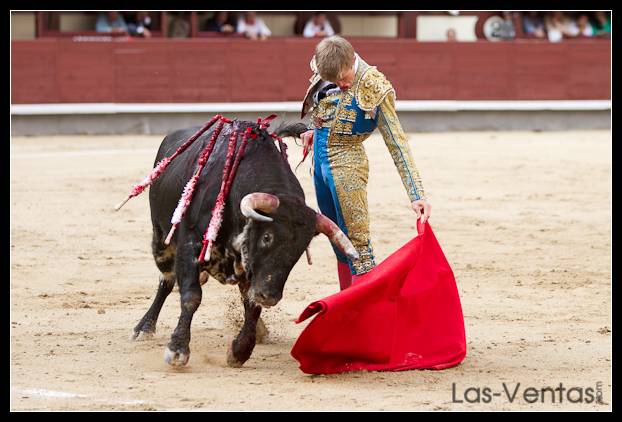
x,y
451,35
179,27
533,25
111,22
253,27
559,26
602,24
506,29
584,26
141,26
318,26
220,22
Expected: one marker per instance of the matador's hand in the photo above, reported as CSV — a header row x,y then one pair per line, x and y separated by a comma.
x,y
307,139
422,205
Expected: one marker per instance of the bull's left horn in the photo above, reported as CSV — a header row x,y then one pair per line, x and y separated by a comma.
x,y
259,201
326,226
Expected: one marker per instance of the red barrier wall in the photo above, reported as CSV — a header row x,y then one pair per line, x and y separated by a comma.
x,y
223,70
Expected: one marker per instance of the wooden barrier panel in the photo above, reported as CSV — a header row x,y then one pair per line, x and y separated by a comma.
x,y
231,70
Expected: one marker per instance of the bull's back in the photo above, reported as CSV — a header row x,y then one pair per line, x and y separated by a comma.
x,y
263,169
164,193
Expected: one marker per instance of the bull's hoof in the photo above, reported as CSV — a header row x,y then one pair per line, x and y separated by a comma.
x,y
141,335
177,358
232,361
261,332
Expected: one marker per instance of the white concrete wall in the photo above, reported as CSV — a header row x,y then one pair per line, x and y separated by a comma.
x,y
417,121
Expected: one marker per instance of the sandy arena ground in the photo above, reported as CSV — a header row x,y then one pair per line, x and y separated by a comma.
x,y
524,219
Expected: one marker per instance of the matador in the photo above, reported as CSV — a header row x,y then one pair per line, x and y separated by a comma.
x,y
348,99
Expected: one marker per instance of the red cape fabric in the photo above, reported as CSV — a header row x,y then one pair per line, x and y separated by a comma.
x,y
403,314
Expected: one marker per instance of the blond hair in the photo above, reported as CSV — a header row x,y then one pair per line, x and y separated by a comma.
x,y
332,56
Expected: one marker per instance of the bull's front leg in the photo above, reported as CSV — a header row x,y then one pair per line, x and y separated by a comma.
x,y
242,347
177,352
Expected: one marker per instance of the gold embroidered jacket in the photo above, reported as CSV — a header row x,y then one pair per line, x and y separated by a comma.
x,y
352,116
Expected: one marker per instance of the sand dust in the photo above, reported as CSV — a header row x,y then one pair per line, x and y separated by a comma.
x,y
524,219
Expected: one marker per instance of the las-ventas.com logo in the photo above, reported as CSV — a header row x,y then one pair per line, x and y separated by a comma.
x,y
514,393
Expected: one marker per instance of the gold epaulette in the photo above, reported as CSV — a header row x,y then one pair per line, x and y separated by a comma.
x,y
372,89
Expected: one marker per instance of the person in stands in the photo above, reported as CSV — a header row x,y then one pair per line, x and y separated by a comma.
x,y
253,27
318,26
111,22
220,22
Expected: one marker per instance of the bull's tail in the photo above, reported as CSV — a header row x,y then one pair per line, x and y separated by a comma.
x,y
291,129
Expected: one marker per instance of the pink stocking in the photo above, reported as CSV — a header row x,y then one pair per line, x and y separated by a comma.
x,y
345,276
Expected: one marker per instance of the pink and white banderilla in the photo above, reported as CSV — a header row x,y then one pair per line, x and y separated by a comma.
x,y
229,171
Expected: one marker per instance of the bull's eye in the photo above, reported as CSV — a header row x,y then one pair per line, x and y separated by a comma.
x,y
266,239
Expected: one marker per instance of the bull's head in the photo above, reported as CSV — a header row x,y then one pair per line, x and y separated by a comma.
x,y
271,244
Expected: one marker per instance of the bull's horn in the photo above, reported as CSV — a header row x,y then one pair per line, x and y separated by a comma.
x,y
259,201
326,226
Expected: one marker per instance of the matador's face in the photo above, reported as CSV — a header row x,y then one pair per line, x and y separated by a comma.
x,y
346,79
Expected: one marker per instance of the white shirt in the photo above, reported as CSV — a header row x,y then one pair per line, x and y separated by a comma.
x,y
311,29
587,31
256,29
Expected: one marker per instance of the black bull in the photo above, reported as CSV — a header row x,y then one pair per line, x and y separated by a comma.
x,y
260,240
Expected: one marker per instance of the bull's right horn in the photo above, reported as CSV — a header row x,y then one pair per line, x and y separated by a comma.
x,y
326,226
258,201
